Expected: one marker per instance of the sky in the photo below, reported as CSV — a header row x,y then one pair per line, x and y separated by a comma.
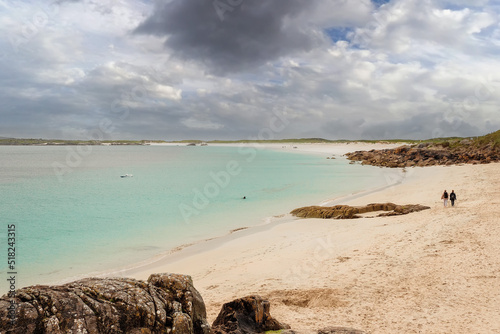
x,y
249,69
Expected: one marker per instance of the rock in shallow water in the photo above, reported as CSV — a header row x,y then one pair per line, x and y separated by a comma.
x,y
350,212
166,303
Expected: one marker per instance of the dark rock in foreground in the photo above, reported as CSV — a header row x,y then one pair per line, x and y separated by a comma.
x,y
246,315
166,303
350,212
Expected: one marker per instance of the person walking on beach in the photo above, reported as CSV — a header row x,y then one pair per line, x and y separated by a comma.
x,y
453,197
445,198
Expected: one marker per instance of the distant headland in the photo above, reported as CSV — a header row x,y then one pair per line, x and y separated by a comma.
x,y
411,153
43,142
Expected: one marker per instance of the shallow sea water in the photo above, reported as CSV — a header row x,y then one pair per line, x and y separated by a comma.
x,y
75,215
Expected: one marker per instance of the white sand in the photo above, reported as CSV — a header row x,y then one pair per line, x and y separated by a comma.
x,y
323,148
435,271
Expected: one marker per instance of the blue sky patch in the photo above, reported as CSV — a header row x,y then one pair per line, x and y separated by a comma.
x,y
338,33
379,3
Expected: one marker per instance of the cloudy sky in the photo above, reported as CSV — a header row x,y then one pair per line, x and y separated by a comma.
x,y
238,69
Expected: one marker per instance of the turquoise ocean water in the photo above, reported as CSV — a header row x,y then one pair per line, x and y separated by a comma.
x,y
75,215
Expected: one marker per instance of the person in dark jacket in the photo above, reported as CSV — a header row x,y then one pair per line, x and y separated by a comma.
x,y
453,197
445,198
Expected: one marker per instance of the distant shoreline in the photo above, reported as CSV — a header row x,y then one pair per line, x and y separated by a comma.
x,y
61,142
376,272
441,254
71,142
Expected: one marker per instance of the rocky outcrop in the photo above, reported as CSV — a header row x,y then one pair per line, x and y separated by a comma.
x,y
246,315
166,303
427,154
350,212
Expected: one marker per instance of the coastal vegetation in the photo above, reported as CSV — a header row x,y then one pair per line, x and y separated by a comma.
x,y
41,142
450,151
297,141
411,153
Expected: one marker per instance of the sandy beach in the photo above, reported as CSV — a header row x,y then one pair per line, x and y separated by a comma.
x,y
435,271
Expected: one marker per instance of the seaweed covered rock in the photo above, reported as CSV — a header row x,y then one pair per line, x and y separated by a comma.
x,y
350,212
334,212
246,315
339,330
404,210
166,303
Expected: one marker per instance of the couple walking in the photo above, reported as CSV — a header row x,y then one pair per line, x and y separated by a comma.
x,y
452,198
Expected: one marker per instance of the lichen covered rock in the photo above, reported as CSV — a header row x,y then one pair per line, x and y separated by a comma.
x,y
350,212
482,150
166,303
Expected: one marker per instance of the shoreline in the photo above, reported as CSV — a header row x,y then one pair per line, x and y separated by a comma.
x,y
425,272
56,277
199,246
422,272
183,251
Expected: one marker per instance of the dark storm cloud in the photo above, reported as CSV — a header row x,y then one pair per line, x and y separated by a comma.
x,y
80,69
233,38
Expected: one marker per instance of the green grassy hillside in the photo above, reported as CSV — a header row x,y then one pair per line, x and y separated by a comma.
x,y
491,138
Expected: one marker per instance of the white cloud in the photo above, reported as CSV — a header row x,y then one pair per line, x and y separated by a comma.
x,y
168,92
406,26
409,68
194,123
